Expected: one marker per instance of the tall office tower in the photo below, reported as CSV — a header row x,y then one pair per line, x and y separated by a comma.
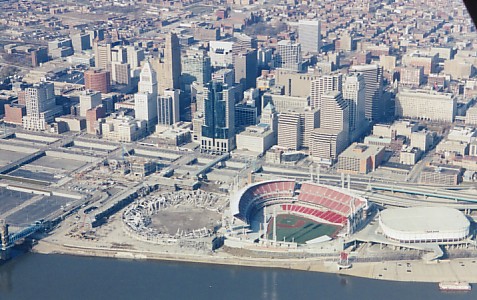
x,y
264,57
120,73
168,68
322,85
88,100
245,66
218,129
334,112
96,34
134,56
97,80
145,100
354,94
374,107
119,54
80,41
168,108
102,54
332,137
226,76
288,56
243,42
269,116
41,107
309,32
289,130
196,67
310,121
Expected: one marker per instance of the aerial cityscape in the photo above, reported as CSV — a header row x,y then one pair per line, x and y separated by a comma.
x,y
332,136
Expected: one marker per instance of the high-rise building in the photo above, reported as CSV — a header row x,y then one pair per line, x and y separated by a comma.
x,y
226,76
245,66
334,112
288,56
309,32
168,67
102,55
264,57
80,41
218,129
354,94
41,107
373,86
119,54
332,137
88,100
96,34
168,108
145,100
196,67
290,130
322,85
120,73
269,116
310,121
134,56
98,80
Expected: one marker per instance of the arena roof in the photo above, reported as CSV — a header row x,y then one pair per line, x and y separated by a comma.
x,y
424,219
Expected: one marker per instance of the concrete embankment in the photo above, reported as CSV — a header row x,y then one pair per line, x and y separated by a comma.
x,y
411,271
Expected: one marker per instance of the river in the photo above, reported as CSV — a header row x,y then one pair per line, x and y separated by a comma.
x,y
37,276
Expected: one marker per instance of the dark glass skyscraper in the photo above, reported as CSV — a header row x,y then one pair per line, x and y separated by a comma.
x,y
218,131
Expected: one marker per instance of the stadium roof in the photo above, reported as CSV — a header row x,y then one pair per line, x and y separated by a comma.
x,y
424,219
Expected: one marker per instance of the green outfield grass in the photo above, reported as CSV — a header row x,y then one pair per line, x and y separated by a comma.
x,y
299,229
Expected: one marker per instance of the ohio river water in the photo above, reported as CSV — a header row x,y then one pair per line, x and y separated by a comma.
x,y
35,276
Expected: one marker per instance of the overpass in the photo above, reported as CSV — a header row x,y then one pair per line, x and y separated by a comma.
x,y
427,192
22,161
210,165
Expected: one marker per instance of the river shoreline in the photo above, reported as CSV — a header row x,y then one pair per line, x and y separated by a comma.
x,y
404,271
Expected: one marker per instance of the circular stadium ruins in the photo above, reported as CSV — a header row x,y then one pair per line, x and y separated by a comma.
x,y
287,215
184,218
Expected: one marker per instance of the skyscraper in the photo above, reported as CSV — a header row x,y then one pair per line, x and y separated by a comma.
x,y
102,54
309,32
134,56
168,107
373,87
322,85
168,67
80,42
145,100
41,107
120,73
290,130
245,66
354,94
333,135
288,56
218,129
196,67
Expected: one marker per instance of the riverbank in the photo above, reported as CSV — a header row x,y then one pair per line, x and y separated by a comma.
x,y
407,271
111,241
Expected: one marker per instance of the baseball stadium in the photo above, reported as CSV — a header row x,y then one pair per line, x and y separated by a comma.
x,y
292,214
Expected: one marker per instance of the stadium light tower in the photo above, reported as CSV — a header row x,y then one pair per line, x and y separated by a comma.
x,y
275,224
